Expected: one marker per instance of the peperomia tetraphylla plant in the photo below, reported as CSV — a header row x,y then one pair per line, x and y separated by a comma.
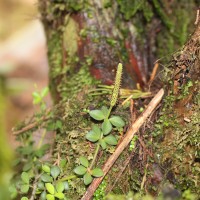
x,y
101,134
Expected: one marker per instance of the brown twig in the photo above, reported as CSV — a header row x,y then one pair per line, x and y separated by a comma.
x,y
127,138
153,74
30,126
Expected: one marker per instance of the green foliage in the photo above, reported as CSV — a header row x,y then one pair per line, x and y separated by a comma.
x,y
86,171
188,195
97,115
129,7
97,134
38,98
24,198
117,121
45,177
100,193
49,185
133,142
101,135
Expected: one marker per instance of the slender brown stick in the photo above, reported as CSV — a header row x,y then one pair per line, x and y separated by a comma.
x,y
153,74
30,126
127,138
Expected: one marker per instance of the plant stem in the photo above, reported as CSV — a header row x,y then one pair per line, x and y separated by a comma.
x,y
109,111
34,188
41,139
95,155
67,178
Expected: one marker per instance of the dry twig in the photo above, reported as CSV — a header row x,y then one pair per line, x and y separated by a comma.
x,y
153,74
127,138
30,126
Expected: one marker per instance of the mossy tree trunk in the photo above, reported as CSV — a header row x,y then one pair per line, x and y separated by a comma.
x,y
91,37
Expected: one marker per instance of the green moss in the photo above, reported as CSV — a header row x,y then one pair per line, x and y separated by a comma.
x,y
70,36
129,7
177,134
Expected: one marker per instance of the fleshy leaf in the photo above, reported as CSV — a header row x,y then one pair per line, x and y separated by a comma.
x,y
44,92
104,109
46,168
97,172
80,170
92,136
24,188
103,144
27,166
60,187
87,179
117,121
43,195
36,98
66,185
63,163
96,129
84,161
106,127
97,114
41,186
24,198
59,195
50,197
25,177
110,139
55,171
50,188
46,178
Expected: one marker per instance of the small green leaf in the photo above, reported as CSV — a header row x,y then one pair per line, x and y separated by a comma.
x,y
60,187
43,195
50,197
80,170
106,127
59,195
66,184
97,114
46,178
84,161
105,111
55,171
27,166
24,188
87,178
44,92
24,198
38,191
13,191
36,98
58,124
103,144
50,188
96,129
46,168
92,136
97,172
41,186
63,163
110,139
117,121
25,177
